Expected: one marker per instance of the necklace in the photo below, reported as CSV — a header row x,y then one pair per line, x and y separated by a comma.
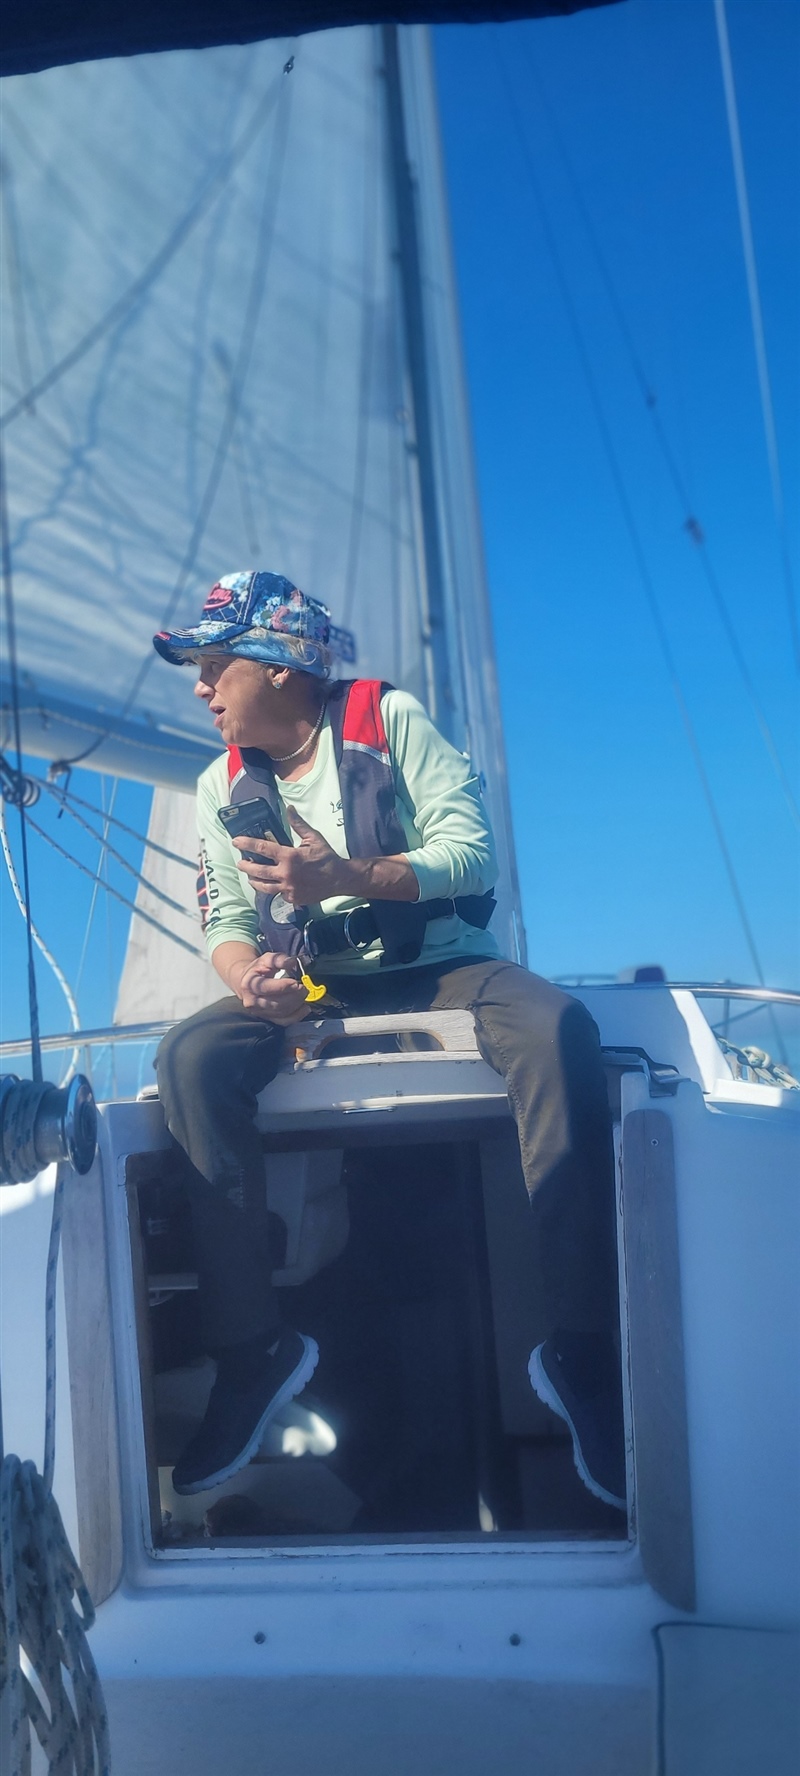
x,y
284,757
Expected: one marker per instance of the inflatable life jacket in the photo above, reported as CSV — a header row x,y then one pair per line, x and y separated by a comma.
x,y
372,829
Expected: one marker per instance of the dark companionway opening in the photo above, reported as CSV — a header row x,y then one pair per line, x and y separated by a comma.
x,y
419,1421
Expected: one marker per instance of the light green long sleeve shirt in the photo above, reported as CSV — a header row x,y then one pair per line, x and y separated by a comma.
x,y
449,841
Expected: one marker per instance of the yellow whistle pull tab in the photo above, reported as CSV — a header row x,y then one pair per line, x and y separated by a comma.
x,y
313,992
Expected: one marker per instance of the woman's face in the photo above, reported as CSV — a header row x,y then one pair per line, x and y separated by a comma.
x,y
239,694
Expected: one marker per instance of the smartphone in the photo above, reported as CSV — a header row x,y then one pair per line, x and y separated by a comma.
x,y
252,820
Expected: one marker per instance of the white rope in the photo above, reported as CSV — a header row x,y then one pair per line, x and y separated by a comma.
x,y
74,1014
757,1067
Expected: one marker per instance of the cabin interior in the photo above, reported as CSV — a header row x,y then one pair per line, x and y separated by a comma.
x,y
414,1262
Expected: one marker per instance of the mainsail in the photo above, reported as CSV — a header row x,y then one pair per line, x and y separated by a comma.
x,y
235,342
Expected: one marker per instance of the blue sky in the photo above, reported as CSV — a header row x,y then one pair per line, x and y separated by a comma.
x,y
618,859
617,854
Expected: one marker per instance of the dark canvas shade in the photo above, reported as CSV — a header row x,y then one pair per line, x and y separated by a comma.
x,y
47,33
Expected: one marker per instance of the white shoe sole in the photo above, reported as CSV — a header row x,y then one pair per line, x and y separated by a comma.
x,y
543,1387
293,1385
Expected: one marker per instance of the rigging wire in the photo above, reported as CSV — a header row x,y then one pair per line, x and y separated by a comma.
x,y
725,1023
264,241
8,605
96,886
63,793
114,892
209,191
630,525
74,1016
109,850
691,524
757,320
103,870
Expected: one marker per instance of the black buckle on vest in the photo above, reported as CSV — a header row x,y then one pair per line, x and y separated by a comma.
x,y
329,936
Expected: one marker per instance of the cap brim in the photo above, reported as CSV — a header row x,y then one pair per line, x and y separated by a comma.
x,y
178,645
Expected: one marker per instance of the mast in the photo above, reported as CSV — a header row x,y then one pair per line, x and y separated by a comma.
x,y
460,645
410,267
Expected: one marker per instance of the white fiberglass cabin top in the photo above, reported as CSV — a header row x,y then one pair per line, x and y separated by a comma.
x,y
411,1568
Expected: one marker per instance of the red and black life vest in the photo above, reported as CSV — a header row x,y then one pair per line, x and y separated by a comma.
x,y
371,823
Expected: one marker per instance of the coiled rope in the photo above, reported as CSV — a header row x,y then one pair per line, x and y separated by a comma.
x,y
41,1585
756,1067
41,1578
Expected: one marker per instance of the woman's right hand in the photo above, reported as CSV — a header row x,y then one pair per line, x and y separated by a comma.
x,y
254,982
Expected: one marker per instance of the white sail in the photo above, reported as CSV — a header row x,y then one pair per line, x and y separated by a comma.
x,y
254,398
263,349
159,979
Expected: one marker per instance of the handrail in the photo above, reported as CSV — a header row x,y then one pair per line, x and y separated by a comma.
x,y
703,989
154,1031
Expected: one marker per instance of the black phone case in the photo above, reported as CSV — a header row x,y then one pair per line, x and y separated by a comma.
x,y
251,820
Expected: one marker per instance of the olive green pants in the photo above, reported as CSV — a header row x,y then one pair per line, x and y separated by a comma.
x,y
543,1043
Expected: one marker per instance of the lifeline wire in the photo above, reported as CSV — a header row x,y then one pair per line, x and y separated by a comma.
x,y
8,601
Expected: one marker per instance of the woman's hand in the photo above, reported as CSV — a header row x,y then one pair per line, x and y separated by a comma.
x,y
255,983
313,871
310,871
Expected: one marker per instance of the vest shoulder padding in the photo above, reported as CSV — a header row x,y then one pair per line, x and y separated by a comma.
x,y
363,722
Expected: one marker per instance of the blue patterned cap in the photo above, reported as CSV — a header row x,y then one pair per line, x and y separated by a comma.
x,y
260,616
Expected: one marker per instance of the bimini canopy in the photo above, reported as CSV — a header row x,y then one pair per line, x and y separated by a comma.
x,y
48,33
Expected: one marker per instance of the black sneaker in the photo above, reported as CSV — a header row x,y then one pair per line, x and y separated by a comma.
x,y
236,1418
592,1409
